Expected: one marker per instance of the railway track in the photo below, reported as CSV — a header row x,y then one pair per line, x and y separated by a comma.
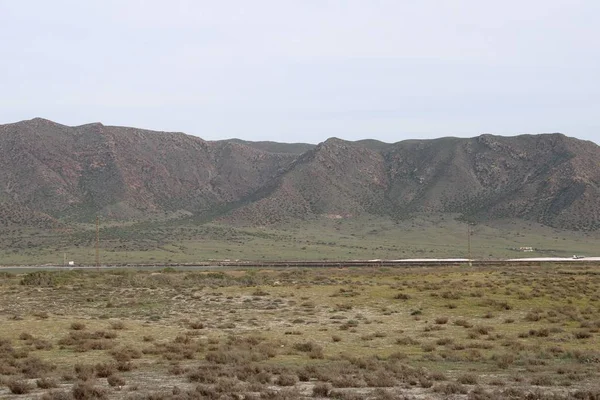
x,y
336,264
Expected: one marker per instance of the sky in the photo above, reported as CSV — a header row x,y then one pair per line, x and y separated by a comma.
x,y
305,70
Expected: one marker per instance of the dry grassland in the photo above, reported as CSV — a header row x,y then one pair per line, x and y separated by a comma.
x,y
397,333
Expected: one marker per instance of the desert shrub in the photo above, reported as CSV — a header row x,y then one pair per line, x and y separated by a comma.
x,y
586,395
6,369
367,337
441,320
467,379
5,347
177,370
84,341
407,341
316,353
428,347
483,330
39,278
444,341
478,393
260,292
94,344
542,380
382,394
544,332
344,395
286,380
321,389
41,344
77,326
117,325
235,356
424,382
503,361
380,379
450,388
513,393
57,395
203,374
85,391
306,346
46,383
110,335
115,380
125,366
450,295
104,370
84,372
33,367
17,386
463,322
20,354
397,356
125,354
437,376
264,377
533,316
41,315
196,325
582,334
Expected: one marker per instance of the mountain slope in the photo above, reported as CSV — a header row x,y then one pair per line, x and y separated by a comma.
x,y
50,171
550,179
124,172
335,179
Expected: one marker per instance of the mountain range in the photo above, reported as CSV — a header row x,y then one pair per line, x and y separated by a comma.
x,y
52,174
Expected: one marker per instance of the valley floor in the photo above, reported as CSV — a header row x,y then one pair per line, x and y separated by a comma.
x,y
363,238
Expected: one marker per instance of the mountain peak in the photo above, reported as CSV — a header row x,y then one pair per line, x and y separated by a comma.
x,y
40,121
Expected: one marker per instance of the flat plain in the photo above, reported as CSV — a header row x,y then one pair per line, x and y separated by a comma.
x,y
183,241
343,333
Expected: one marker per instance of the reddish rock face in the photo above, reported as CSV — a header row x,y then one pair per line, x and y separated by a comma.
x,y
50,171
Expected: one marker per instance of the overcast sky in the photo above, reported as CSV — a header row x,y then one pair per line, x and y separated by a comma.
x,y
306,70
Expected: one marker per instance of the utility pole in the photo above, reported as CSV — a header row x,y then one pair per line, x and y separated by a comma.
x,y
469,243
97,242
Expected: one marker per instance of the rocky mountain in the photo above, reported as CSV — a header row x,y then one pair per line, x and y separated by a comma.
x,y
76,172
51,172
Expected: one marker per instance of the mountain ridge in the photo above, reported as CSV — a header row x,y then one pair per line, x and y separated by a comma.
x,y
72,173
